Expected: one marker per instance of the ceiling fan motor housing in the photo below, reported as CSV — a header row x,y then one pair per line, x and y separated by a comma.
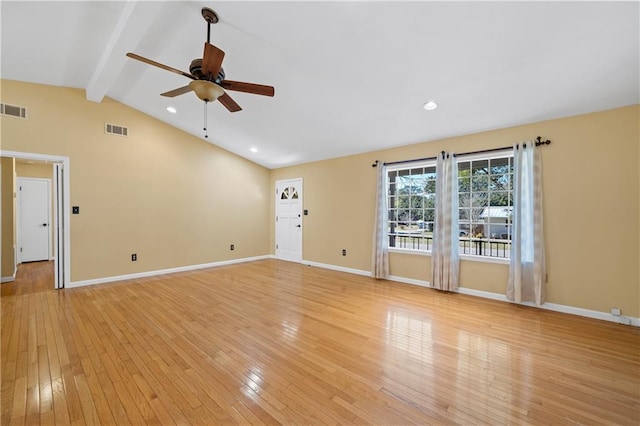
x,y
196,70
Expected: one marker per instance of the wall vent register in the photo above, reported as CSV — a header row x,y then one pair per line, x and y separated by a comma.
x,y
13,110
114,129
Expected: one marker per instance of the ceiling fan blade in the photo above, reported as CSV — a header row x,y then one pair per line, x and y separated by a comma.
x,y
159,65
229,103
256,89
177,92
211,60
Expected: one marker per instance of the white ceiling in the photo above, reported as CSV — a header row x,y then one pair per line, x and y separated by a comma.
x,y
349,76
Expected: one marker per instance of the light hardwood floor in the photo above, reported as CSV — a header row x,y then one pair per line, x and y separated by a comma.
x,y
277,342
32,277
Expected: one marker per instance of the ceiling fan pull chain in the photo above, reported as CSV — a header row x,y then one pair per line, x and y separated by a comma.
x,y
206,134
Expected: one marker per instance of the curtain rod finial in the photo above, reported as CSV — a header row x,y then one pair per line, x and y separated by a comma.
x,y
539,141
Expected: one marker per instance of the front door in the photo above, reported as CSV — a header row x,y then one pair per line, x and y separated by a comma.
x,y
34,216
289,220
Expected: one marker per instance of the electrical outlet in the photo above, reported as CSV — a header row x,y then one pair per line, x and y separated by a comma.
x,y
616,312
344,252
232,247
134,257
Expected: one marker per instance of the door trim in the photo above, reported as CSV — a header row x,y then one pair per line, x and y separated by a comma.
x,y
19,216
62,269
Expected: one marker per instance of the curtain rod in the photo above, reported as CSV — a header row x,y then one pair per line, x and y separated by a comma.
x,y
539,142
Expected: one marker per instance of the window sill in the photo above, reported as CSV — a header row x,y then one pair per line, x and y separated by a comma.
x,y
410,251
484,259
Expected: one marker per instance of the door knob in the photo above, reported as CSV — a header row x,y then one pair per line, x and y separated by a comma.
x,y
44,224
297,226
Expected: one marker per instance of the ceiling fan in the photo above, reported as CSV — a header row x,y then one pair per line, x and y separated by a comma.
x,y
208,76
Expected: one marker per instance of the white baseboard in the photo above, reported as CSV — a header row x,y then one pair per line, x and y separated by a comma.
x,y
411,281
634,321
557,307
337,268
12,277
163,271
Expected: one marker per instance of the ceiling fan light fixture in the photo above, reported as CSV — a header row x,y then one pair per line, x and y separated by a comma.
x,y
206,90
172,110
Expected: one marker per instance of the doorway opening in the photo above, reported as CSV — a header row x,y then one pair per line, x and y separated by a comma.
x,y
58,226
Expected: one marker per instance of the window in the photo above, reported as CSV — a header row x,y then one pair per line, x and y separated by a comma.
x,y
485,205
485,202
412,199
289,193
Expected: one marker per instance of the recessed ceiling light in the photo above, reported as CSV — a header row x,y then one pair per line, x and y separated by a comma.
x,y
254,149
430,106
171,109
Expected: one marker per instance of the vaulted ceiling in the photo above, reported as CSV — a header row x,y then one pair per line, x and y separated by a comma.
x,y
349,76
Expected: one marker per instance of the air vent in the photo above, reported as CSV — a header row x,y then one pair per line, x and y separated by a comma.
x,y
114,129
13,111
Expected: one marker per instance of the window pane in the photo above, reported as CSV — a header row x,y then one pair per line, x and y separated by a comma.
x,y
464,184
477,215
403,201
499,231
499,165
416,202
464,199
477,230
430,201
499,198
392,188
499,182
479,199
480,183
430,185
429,215
480,167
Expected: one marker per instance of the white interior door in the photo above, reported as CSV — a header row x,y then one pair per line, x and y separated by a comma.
x,y
34,215
289,220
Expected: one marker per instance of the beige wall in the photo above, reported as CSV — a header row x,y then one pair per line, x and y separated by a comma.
x,y
591,207
8,217
170,197
35,170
